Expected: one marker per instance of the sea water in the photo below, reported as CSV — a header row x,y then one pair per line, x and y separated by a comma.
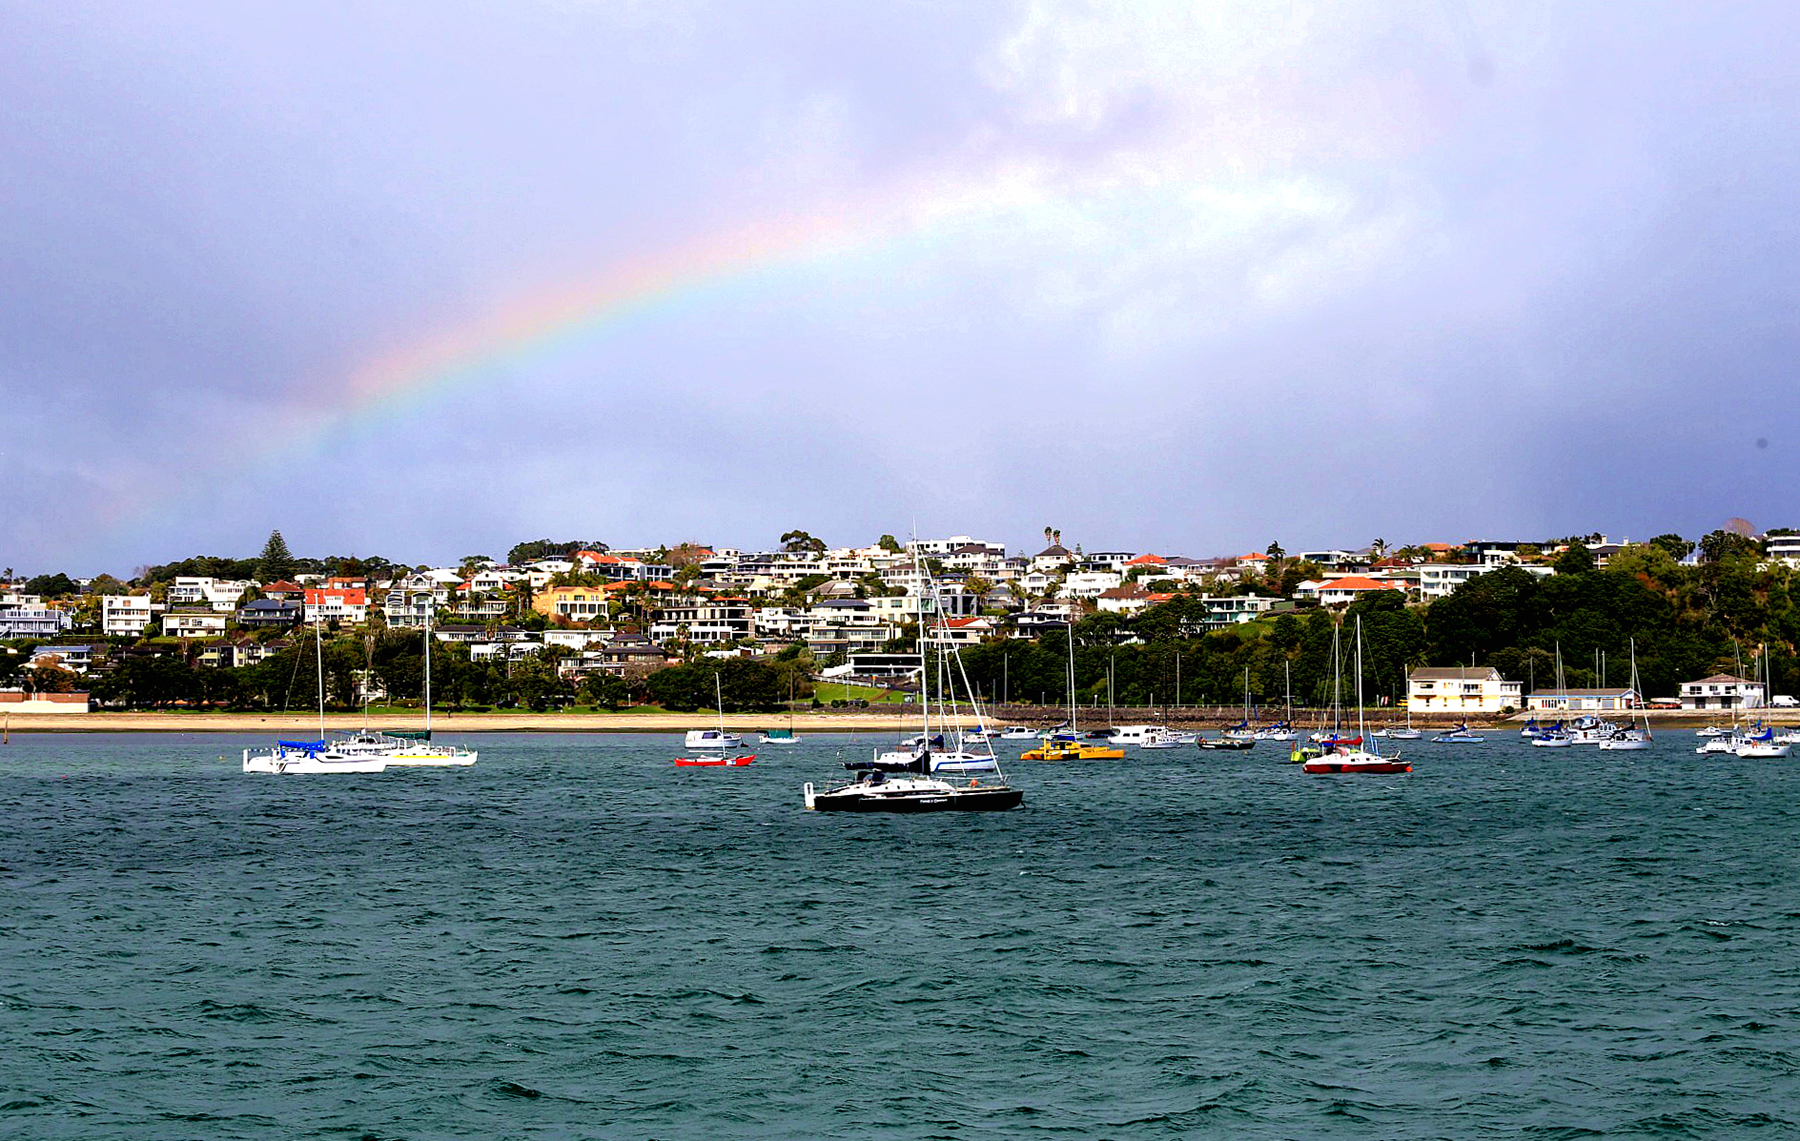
x,y
575,939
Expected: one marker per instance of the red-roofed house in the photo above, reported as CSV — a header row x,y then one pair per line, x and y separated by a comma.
x,y
344,605
1147,561
960,631
1343,591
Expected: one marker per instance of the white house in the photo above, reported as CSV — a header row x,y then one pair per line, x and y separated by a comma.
x,y
1723,691
124,615
1438,579
1784,549
1126,598
28,616
1233,609
194,622
216,593
1089,584
1460,689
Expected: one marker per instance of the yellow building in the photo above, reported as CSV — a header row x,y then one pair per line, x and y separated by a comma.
x,y
575,603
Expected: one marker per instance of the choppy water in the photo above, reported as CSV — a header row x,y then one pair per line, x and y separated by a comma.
x,y
574,940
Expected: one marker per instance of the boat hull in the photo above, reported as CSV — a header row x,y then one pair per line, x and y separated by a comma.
x,y
300,764
714,762
1328,766
961,800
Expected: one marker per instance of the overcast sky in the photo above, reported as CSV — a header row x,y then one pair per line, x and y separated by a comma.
x,y
1185,277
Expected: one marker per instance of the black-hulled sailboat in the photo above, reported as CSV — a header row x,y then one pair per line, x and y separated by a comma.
x,y
928,778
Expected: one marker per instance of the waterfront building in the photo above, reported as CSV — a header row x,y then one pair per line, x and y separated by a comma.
x,y
18,701
1460,689
1610,699
1723,691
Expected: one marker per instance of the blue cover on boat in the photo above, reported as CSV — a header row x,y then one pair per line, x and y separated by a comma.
x,y
308,746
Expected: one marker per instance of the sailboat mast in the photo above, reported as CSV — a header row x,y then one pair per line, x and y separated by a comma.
x,y
1360,732
319,664
924,650
719,702
430,605
1072,728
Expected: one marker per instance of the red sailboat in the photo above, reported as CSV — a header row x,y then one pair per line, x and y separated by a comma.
x,y
1343,757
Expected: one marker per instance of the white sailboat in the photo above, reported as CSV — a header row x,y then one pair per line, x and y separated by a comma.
x,y
307,757
1724,742
1763,743
723,757
1635,738
401,749
1355,759
1284,729
921,780
1556,737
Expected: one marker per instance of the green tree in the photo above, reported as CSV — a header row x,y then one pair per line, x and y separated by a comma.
x,y
800,542
1576,560
605,690
889,544
52,585
1677,547
276,562
1719,546
532,550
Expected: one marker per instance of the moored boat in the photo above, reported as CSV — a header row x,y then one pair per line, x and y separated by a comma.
x,y
1636,737
723,758
1228,742
1341,760
907,781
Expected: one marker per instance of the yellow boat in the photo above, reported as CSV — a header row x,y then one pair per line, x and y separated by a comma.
x,y
1072,751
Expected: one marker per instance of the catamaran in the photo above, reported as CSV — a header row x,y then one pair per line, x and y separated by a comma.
x,y
320,756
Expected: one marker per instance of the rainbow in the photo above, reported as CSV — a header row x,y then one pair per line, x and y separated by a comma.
x,y
626,294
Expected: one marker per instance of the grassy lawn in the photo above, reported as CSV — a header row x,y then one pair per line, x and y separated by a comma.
x,y
830,691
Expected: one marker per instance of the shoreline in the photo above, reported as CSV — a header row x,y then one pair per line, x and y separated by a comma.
x,y
823,721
